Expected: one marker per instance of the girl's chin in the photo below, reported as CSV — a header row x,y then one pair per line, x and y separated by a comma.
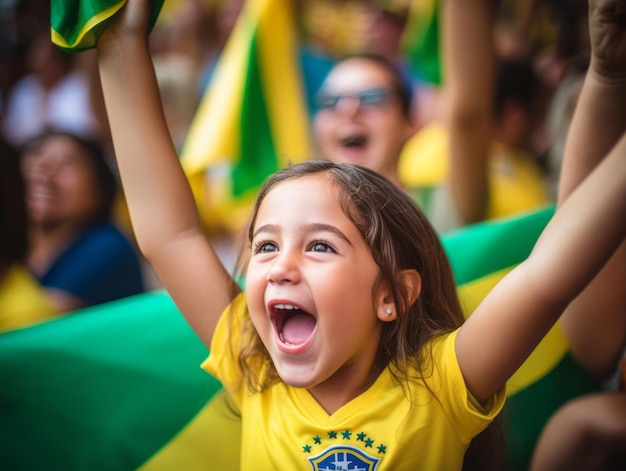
x,y
295,379
296,374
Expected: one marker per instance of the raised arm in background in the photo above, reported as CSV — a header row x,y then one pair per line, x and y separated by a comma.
x,y
579,240
469,59
595,323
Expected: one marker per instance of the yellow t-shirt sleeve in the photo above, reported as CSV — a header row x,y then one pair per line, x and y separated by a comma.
x,y
222,361
447,381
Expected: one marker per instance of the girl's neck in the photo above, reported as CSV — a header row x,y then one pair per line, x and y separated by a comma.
x,y
345,385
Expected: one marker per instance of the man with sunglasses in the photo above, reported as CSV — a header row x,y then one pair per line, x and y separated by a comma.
x,y
363,114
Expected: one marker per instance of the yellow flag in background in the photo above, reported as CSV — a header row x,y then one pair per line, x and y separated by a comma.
x,y
253,118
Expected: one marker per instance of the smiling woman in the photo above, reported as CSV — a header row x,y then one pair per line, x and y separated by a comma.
x,y
76,252
22,301
364,114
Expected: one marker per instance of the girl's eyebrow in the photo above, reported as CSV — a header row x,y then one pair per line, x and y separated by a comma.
x,y
312,227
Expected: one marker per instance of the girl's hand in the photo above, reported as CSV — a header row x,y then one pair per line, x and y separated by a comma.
x,y
607,33
131,23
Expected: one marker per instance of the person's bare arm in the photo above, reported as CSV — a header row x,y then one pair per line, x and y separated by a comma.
x,y
595,322
468,53
512,319
162,209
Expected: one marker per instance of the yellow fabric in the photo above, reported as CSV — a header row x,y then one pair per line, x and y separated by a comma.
x,y
515,180
214,134
22,300
286,428
423,161
212,437
213,142
87,36
283,82
546,355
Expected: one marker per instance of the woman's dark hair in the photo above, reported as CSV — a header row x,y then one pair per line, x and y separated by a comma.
x,y
13,220
516,81
103,175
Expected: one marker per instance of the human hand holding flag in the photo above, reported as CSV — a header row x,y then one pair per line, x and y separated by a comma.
x,y
76,25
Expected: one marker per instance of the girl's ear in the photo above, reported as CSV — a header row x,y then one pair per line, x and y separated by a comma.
x,y
387,310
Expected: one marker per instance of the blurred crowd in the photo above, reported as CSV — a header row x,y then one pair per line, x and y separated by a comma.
x,y
52,115
478,135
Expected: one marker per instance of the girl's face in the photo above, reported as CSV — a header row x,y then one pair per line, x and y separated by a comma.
x,y
370,132
60,185
310,284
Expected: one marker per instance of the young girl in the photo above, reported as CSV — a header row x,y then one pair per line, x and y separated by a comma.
x,y
347,350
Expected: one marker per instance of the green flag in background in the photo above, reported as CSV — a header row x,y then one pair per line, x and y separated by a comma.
x,y
118,386
104,389
420,41
76,24
253,118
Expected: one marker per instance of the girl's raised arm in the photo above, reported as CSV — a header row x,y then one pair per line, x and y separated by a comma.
x,y
162,210
514,317
587,229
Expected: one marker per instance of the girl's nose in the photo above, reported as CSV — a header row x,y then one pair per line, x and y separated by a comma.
x,y
285,269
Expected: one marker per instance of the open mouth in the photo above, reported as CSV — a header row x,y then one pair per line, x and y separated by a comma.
x,y
293,325
354,141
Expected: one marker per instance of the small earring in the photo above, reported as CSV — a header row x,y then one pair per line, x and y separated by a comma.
x,y
388,311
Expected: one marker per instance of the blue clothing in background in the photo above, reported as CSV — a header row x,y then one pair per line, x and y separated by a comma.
x,y
315,66
100,266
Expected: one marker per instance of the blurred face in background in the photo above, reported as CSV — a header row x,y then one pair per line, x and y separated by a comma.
x,y
60,183
360,117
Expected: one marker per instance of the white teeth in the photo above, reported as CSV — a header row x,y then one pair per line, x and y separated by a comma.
x,y
285,306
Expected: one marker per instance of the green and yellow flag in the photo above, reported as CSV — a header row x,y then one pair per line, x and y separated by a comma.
x,y
253,118
420,41
119,386
76,24
106,388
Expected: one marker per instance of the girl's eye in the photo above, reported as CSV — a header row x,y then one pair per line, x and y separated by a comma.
x,y
265,247
319,246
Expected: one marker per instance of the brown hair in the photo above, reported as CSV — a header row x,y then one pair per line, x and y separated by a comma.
x,y
399,237
13,220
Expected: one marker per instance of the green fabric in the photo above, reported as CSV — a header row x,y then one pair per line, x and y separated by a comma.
x,y
106,387
258,157
525,413
77,24
422,46
102,389
493,245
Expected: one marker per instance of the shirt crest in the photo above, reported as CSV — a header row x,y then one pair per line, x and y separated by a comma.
x,y
343,458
